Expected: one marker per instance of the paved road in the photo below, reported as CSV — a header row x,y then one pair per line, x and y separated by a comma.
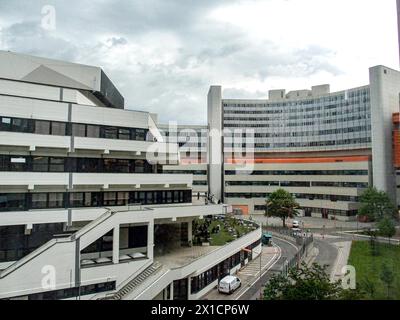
x,y
288,250
250,276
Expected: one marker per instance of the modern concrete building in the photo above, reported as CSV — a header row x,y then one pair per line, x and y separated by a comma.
x,y
86,211
192,141
323,147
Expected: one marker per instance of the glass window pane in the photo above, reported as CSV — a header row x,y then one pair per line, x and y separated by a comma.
x,y
88,199
58,128
110,198
110,133
39,200
93,131
140,134
55,200
124,134
56,165
5,124
40,164
20,125
12,201
4,162
76,199
139,166
42,127
18,164
123,198
78,130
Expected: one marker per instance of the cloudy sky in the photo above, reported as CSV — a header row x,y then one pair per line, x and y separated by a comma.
x,y
164,54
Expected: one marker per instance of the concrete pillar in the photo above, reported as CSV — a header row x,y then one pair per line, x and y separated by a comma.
x,y
385,90
190,232
150,240
189,287
116,245
215,146
171,291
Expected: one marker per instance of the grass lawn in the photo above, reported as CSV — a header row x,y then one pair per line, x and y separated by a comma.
x,y
369,267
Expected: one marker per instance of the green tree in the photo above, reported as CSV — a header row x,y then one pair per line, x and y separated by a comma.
x,y
281,204
304,283
376,204
387,277
387,227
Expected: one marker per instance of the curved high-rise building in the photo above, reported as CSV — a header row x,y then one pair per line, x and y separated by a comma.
x,y
324,147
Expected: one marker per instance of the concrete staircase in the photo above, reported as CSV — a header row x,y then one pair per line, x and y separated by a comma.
x,y
135,282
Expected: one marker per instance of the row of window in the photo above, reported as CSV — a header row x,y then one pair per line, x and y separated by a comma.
x,y
304,144
283,123
293,116
15,243
349,97
71,129
72,292
62,164
200,183
308,211
310,133
194,172
298,173
53,200
299,184
327,197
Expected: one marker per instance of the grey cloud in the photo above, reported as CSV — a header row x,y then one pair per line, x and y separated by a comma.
x,y
28,37
110,34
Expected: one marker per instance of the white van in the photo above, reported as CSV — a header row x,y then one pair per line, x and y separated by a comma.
x,y
229,284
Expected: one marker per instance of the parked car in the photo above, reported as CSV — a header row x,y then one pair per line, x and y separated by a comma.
x,y
229,284
295,224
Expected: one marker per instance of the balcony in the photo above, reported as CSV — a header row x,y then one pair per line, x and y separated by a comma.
x,y
113,145
109,179
103,180
32,141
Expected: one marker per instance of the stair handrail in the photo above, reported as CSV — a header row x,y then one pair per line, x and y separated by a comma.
x,y
68,238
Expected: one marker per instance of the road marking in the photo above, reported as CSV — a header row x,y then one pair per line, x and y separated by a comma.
x,y
273,261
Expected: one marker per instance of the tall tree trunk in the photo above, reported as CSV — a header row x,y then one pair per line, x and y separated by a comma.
x,y
284,222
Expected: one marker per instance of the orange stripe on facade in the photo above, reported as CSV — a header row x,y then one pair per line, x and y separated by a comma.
x,y
396,118
300,160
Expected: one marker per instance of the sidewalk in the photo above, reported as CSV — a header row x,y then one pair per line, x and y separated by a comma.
x,y
342,259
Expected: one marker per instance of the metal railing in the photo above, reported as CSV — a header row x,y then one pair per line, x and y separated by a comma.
x,y
302,252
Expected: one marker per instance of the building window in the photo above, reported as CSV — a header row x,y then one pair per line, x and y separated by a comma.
x,y
76,199
110,198
5,124
20,125
140,134
39,200
109,133
78,130
139,166
56,164
93,131
12,202
42,127
124,134
58,129
40,164
56,200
